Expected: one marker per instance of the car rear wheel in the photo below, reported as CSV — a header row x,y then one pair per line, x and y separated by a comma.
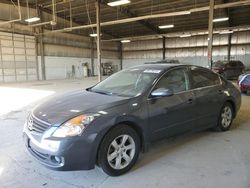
x,y
225,118
242,91
119,150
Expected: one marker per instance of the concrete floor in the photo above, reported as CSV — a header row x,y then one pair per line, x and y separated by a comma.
x,y
204,160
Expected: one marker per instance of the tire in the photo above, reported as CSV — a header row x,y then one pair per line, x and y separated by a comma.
x,y
225,118
116,158
245,92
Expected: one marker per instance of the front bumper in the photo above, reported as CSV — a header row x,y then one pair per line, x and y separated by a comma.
x,y
75,153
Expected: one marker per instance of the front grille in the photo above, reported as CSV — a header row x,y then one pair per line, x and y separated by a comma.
x,y
39,126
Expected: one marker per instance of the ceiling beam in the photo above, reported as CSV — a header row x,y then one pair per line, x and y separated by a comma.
x,y
79,23
50,12
178,33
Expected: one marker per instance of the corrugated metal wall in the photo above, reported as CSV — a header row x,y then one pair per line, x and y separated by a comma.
x,y
17,57
63,50
71,45
61,67
191,50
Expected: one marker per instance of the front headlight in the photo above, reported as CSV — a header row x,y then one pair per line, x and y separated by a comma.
x,y
75,126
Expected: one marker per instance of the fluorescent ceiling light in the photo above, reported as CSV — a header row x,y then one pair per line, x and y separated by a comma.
x,y
226,32
93,34
187,12
67,29
125,41
52,23
34,19
202,33
118,3
166,26
220,19
185,35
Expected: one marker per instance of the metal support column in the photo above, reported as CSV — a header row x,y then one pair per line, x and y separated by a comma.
x,y
26,60
13,51
42,55
36,31
210,34
92,51
41,45
1,59
98,41
229,47
121,55
164,48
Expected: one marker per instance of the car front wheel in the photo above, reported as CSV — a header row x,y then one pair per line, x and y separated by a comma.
x,y
119,150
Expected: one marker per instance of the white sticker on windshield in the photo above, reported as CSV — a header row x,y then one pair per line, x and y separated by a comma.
x,y
152,71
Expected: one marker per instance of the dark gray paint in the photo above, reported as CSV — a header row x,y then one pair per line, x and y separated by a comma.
x,y
152,117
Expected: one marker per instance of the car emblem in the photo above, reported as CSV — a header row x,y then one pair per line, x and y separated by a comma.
x,y
30,123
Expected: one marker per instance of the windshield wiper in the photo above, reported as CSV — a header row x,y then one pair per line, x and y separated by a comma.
x,y
120,95
100,92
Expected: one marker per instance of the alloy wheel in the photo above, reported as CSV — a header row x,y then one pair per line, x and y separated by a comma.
x,y
121,152
226,117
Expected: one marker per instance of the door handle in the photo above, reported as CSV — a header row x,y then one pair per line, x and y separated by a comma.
x,y
190,101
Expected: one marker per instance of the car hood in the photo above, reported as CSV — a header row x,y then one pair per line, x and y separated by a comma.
x,y
61,108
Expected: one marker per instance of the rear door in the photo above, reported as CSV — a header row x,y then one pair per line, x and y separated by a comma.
x,y
172,114
208,94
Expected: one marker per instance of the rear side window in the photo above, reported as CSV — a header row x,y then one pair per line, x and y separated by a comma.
x,y
203,78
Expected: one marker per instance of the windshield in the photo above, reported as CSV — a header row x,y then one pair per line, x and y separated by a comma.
x,y
128,83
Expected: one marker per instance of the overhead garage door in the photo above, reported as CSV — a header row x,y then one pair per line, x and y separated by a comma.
x,y
17,57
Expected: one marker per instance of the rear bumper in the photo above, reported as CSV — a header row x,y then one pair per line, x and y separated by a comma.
x,y
76,153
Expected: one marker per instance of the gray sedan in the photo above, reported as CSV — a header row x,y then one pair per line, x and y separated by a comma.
x,y
110,123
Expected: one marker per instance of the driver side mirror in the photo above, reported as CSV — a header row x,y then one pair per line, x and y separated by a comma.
x,y
162,92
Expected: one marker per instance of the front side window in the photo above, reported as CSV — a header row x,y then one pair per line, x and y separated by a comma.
x,y
176,80
203,78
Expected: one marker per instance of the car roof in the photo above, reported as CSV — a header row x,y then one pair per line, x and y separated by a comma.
x,y
167,61
161,66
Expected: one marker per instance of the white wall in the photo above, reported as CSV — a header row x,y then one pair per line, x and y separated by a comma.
x,y
61,67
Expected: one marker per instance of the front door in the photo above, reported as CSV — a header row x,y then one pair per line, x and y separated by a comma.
x,y
174,114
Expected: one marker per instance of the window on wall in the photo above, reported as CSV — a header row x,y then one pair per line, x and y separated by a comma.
x,y
203,78
177,80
